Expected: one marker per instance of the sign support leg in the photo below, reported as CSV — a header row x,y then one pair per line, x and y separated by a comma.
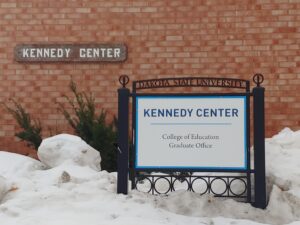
x,y
123,140
260,200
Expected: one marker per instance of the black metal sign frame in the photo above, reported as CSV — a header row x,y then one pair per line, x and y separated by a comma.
x,y
190,169
246,177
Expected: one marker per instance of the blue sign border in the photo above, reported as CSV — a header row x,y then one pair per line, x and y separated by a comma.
x,y
244,97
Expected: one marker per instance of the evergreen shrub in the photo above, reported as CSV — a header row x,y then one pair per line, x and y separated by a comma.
x,y
91,126
31,131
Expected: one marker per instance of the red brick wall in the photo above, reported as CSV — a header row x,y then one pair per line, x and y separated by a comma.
x,y
229,38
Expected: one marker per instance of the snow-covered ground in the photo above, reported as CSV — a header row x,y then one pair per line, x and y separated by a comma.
x,y
68,189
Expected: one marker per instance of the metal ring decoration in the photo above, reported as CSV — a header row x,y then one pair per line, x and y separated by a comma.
x,y
243,192
206,185
206,182
163,178
185,180
124,79
150,182
226,186
258,79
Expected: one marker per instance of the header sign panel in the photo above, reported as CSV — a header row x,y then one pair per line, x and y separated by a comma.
x,y
191,132
71,53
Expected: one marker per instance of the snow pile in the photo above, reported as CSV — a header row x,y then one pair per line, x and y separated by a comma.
x,y
68,149
74,192
283,157
3,187
282,209
15,165
283,179
287,139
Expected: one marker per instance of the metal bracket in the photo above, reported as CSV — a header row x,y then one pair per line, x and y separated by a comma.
x,y
124,79
258,79
117,147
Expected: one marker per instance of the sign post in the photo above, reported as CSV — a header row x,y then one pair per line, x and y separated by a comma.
x,y
123,136
259,143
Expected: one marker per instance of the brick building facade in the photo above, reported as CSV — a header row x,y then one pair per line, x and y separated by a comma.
x,y
220,38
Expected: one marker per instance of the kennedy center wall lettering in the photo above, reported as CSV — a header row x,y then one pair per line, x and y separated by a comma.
x,y
71,53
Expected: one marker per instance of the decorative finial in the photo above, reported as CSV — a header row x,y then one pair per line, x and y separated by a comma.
x,y
258,79
124,79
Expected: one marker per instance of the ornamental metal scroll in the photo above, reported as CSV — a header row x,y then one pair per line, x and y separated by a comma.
x,y
191,82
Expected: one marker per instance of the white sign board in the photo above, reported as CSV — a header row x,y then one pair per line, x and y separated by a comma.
x,y
196,132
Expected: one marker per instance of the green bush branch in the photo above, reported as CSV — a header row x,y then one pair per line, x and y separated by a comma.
x,y
90,126
31,129
82,117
